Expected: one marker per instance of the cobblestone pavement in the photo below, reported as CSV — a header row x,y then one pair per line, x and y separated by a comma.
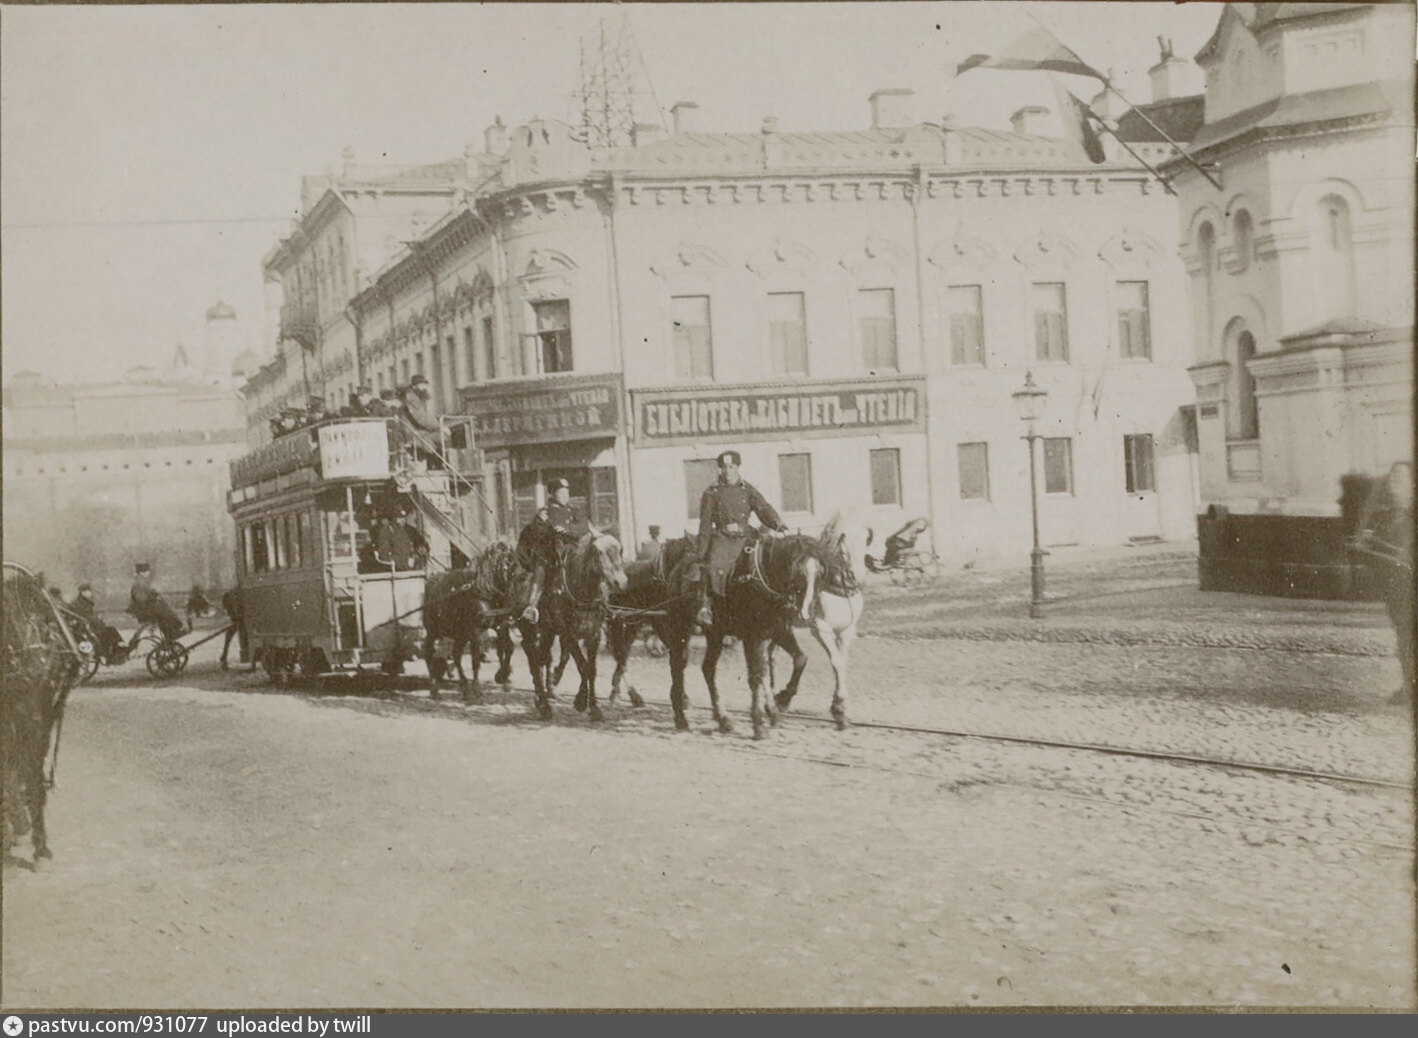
x,y
866,867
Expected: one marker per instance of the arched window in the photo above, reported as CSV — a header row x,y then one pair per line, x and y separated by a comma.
x,y
1206,252
1243,234
1242,409
1332,250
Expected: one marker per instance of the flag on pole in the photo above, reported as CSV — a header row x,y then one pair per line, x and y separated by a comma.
x,y
1077,120
1037,50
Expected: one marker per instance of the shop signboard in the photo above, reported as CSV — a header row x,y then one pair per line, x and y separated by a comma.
x,y
549,410
779,410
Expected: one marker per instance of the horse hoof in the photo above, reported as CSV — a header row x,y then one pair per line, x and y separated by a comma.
x,y
596,716
782,699
839,717
433,693
42,854
758,732
635,698
544,712
580,703
725,725
681,723
502,677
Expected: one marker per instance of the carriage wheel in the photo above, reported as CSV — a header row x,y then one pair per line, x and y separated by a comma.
x,y
167,660
88,659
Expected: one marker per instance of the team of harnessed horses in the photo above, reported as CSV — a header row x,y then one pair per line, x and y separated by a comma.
x,y
778,583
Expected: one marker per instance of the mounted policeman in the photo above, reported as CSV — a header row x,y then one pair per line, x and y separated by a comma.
x,y
724,511
557,522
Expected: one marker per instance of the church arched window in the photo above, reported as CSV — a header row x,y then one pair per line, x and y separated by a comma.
x,y
1332,250
1242,408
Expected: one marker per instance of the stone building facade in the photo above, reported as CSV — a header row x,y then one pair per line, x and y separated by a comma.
x,y
851,311
1301,270
98,477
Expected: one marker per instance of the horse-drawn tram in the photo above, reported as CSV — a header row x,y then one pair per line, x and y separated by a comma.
x,y
338,525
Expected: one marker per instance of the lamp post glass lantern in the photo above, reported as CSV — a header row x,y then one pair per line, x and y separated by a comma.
x,y
1030,401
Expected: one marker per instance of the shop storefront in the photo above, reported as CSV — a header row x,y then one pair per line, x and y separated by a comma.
x,y
555,427
811,446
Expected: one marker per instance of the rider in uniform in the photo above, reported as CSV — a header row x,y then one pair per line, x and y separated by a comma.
x,y
557,523
723,528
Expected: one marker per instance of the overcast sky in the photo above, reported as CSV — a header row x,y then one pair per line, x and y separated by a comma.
x,y
152,155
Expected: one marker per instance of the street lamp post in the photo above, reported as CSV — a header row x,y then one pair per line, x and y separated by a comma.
x,y
1030,401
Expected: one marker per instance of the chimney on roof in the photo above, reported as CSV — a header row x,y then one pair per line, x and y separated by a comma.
x,y
347,161
1029,120
642,134
770,124
891,109
686,116
495,138
1171,76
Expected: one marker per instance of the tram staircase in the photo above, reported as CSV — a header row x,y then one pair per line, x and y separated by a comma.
x,y
450,509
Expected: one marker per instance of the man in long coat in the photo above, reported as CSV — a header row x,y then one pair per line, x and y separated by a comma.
x,y
149,607
724,511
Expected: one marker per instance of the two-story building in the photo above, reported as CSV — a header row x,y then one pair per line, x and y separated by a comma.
x,y
850,310
1301,270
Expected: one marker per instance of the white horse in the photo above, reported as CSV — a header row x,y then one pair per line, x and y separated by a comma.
x,y
835,606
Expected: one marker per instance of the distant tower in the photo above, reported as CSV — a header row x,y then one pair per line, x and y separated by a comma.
x,y
612,80
222,345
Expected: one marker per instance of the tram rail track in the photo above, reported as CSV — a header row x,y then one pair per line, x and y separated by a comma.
x,y
1105,749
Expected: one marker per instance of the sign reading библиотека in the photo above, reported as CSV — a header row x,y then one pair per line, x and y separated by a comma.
x,y
837,408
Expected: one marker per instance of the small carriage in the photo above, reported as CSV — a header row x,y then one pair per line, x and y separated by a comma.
x,y
903,560
166,657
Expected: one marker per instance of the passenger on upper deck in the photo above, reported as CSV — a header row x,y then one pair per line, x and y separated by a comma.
x,y
315,412
386,406
419,412
360,402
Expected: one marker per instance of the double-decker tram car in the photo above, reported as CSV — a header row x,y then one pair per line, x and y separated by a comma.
x,y
338,525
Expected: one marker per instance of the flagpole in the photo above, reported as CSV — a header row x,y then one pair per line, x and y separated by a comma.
x,y
1151,169
1108,86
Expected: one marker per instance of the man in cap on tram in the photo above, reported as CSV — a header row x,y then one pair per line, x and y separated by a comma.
x,y
724,510
417,409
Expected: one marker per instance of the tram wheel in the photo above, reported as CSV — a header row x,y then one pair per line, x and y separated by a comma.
x,y
313,663
167,660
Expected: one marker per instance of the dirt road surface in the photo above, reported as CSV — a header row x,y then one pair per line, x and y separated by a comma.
x,y
219,846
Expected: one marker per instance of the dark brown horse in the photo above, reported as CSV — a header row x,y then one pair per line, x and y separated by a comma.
x,y
462,604
661,594
42,663
574,606
770,585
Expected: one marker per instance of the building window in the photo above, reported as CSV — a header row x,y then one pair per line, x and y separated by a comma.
x,y
1332,251
877,314
1137,458
470,353
1058,465
699,473
1050,322
974,462
967,324
489,347
693,339
886,476
1242,407
1134,321
1243,231
404,370
795,478
787,333
553,335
